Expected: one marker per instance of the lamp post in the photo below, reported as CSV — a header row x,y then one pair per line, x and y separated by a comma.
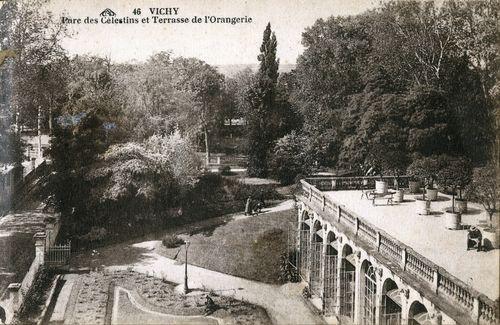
x,y
186,289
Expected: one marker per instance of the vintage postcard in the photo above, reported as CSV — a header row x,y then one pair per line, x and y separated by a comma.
x,y
249,162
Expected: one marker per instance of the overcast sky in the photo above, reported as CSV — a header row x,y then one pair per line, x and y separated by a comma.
x,y
214,43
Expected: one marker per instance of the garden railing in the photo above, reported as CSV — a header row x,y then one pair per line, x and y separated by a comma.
x,y
440,281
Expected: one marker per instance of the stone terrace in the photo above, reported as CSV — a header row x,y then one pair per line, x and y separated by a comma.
x,y
427,235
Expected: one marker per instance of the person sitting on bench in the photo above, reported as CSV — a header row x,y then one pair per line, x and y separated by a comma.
x,y
474,239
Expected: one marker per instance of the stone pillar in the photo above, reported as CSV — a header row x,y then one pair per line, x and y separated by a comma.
x,y
378,241
322,269
475,310
339,269
357,291
436,316
435,280
403,259
39,246
405,305
49,230
378,297
310,250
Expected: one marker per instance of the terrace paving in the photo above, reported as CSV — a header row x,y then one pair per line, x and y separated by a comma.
x,y
427,235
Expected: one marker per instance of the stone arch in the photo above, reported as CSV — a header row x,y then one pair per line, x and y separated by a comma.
x,y
304,243
418,314
315,278
391,307
347,250
368,292
332,244
305,215
317,231
347,282
330,274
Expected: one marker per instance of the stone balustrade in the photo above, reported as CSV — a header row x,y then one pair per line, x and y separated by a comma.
x,y
439,280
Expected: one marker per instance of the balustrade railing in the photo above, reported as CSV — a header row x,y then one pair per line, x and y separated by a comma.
x,y
487,312
347,218
438,279
390,247
416,265
367,231
457,289
356,182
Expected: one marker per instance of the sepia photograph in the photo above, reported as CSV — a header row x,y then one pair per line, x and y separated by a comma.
x,y
241,162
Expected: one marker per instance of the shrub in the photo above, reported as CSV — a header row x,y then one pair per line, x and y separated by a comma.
x,y
288,273
95,234
242,191
289,158
225,170
35,296
306,293
172,241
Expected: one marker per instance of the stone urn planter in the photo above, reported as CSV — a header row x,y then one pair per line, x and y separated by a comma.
x,y
380,187
461,205
399,196
423,206
431,194
490,237
414,186
453,219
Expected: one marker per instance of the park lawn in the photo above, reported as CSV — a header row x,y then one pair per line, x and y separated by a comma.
x,y
250,248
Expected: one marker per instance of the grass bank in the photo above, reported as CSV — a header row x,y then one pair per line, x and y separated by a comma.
x,y
245,247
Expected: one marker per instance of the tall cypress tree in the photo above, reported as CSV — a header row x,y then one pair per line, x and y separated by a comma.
x,y
262,99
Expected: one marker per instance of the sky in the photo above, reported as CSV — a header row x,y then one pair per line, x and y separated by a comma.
x,y
217,44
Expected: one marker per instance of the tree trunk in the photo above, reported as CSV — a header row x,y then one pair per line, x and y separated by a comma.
x,y
50,119
453,202
207,149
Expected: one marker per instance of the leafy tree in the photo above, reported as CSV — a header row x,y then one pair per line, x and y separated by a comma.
x,y
151,100
179,154
455,173
239,87
377,123
484,188
431,123
205,84
290,158
35,37
84,128
75,146
262,98
426,169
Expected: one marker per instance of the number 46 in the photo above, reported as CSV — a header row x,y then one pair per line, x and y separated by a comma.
x,y
137,11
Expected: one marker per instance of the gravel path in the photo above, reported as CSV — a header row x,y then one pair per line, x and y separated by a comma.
x,y
284,304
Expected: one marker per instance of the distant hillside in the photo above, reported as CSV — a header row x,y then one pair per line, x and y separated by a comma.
x,y
229,70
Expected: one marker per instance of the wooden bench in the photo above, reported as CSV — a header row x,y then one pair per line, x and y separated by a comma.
x,y
372,195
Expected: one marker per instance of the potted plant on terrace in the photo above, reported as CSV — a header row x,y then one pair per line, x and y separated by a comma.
x,y
426,169
391,160
455,174
483,189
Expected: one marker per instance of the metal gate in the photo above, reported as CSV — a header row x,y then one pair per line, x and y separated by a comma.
x,y
369,297
304,248
330,289
316,254
347,290
58,255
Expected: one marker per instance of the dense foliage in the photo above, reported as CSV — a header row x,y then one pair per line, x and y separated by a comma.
x,y
262,98
409,86
400,82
